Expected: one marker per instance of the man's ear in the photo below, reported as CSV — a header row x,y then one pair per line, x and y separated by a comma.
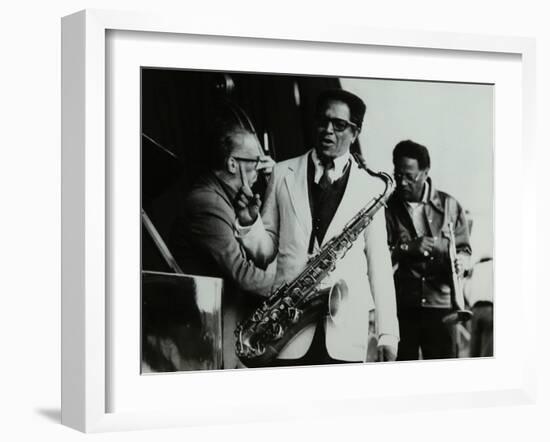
x,y
231,165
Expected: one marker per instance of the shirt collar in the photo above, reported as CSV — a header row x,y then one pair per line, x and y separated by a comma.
x,y
340,164
426,192
434,198
425,196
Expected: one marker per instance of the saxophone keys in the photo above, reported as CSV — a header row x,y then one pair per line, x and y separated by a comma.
x,y
257,316
280,332
294,314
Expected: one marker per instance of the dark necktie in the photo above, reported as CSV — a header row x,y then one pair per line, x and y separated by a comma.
x,y
325,182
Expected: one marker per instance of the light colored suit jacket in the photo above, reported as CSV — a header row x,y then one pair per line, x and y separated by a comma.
x,y
283,233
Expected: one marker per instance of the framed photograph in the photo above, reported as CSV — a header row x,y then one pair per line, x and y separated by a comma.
x,y
148,339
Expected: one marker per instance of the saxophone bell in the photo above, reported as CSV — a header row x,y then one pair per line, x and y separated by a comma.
x,y
337,293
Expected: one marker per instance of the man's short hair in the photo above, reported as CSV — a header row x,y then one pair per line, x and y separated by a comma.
x,y
410,149
224,140
357,107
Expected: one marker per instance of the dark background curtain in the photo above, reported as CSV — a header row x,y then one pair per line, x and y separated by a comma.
x,y
178,111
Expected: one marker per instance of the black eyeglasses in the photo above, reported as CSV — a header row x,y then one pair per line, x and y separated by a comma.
x,y
256,160
408,178
338,124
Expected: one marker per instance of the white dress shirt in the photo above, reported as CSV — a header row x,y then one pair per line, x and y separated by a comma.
x,y
336,172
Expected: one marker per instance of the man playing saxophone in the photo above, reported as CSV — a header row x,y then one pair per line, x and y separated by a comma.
x,y
418,217
309,200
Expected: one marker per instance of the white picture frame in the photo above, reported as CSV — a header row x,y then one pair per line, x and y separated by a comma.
x,y
85,235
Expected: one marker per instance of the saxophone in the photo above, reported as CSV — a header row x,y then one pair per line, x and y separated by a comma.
x,y
300,302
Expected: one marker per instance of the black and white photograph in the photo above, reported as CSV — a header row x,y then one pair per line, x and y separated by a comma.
x,y
276,221
293,220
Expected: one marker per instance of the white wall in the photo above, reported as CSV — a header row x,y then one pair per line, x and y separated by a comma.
x,y
454,121
30,218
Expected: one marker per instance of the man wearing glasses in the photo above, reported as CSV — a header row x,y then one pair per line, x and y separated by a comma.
x,y
417,217
203,239
309,200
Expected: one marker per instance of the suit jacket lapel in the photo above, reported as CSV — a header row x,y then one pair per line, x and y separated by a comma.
x,y
296,183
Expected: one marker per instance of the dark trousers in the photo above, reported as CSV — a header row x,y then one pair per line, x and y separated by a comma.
x,y
422,329
481,343
316,354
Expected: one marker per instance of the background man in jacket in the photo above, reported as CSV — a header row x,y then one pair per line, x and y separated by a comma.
x,y
417,219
